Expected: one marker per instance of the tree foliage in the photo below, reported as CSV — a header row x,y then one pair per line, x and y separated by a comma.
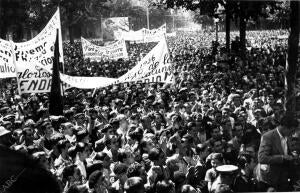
x,y
22,16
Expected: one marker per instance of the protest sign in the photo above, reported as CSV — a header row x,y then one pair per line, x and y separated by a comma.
x,y
154,35
97,53
7,67
154,67
37,51
114,27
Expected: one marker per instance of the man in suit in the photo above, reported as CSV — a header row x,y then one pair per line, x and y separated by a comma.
x,y
275,159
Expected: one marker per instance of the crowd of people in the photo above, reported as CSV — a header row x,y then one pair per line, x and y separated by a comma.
x,y
220,127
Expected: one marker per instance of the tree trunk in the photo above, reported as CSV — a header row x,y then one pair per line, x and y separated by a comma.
x,y
291,73
71,34
3,25
70,26
227,29
242,31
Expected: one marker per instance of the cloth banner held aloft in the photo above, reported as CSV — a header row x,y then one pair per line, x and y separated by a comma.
x,y
154,35
39,51
7,66
154,67
113,51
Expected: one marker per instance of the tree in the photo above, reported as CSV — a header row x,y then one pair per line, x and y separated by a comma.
x,y
76,13
12,14
293,44
280,15
201,8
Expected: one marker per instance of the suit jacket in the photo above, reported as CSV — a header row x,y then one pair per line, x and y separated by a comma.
x,y
273,170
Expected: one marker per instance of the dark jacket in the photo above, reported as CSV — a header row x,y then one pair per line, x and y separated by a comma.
x,y
273,169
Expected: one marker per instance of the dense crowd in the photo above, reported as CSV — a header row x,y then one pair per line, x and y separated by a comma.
x,y
201,134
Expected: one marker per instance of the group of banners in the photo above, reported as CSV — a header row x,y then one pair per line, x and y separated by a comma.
x,y
31,62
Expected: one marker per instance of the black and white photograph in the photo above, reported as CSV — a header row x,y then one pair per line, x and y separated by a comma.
x,y
149,96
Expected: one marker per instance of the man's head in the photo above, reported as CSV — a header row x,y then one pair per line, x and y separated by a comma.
x,y
137,170
97,181
218,146
82,150
238,129
134,185
120,170
71,174
215,133
165,187
216,160
288,125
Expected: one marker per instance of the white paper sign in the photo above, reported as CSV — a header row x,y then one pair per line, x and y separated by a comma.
x,y
7,66
154,67
110,52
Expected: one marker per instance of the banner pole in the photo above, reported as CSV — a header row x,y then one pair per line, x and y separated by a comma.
x,y
15,64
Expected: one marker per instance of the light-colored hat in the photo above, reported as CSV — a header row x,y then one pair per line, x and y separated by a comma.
x,y
3,131
229,169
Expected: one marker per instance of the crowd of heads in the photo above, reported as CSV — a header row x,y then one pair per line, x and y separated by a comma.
x,y
199,134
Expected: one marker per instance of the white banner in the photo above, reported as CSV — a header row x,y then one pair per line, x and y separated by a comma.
x,y
134,36
35,52
78,81
145,35
154,35
97,53
86,82
114,27
154,67
7,66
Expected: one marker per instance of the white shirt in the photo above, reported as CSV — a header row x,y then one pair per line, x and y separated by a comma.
x,y
81,167
283,141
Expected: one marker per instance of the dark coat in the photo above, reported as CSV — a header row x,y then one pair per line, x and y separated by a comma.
x,y
276,171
